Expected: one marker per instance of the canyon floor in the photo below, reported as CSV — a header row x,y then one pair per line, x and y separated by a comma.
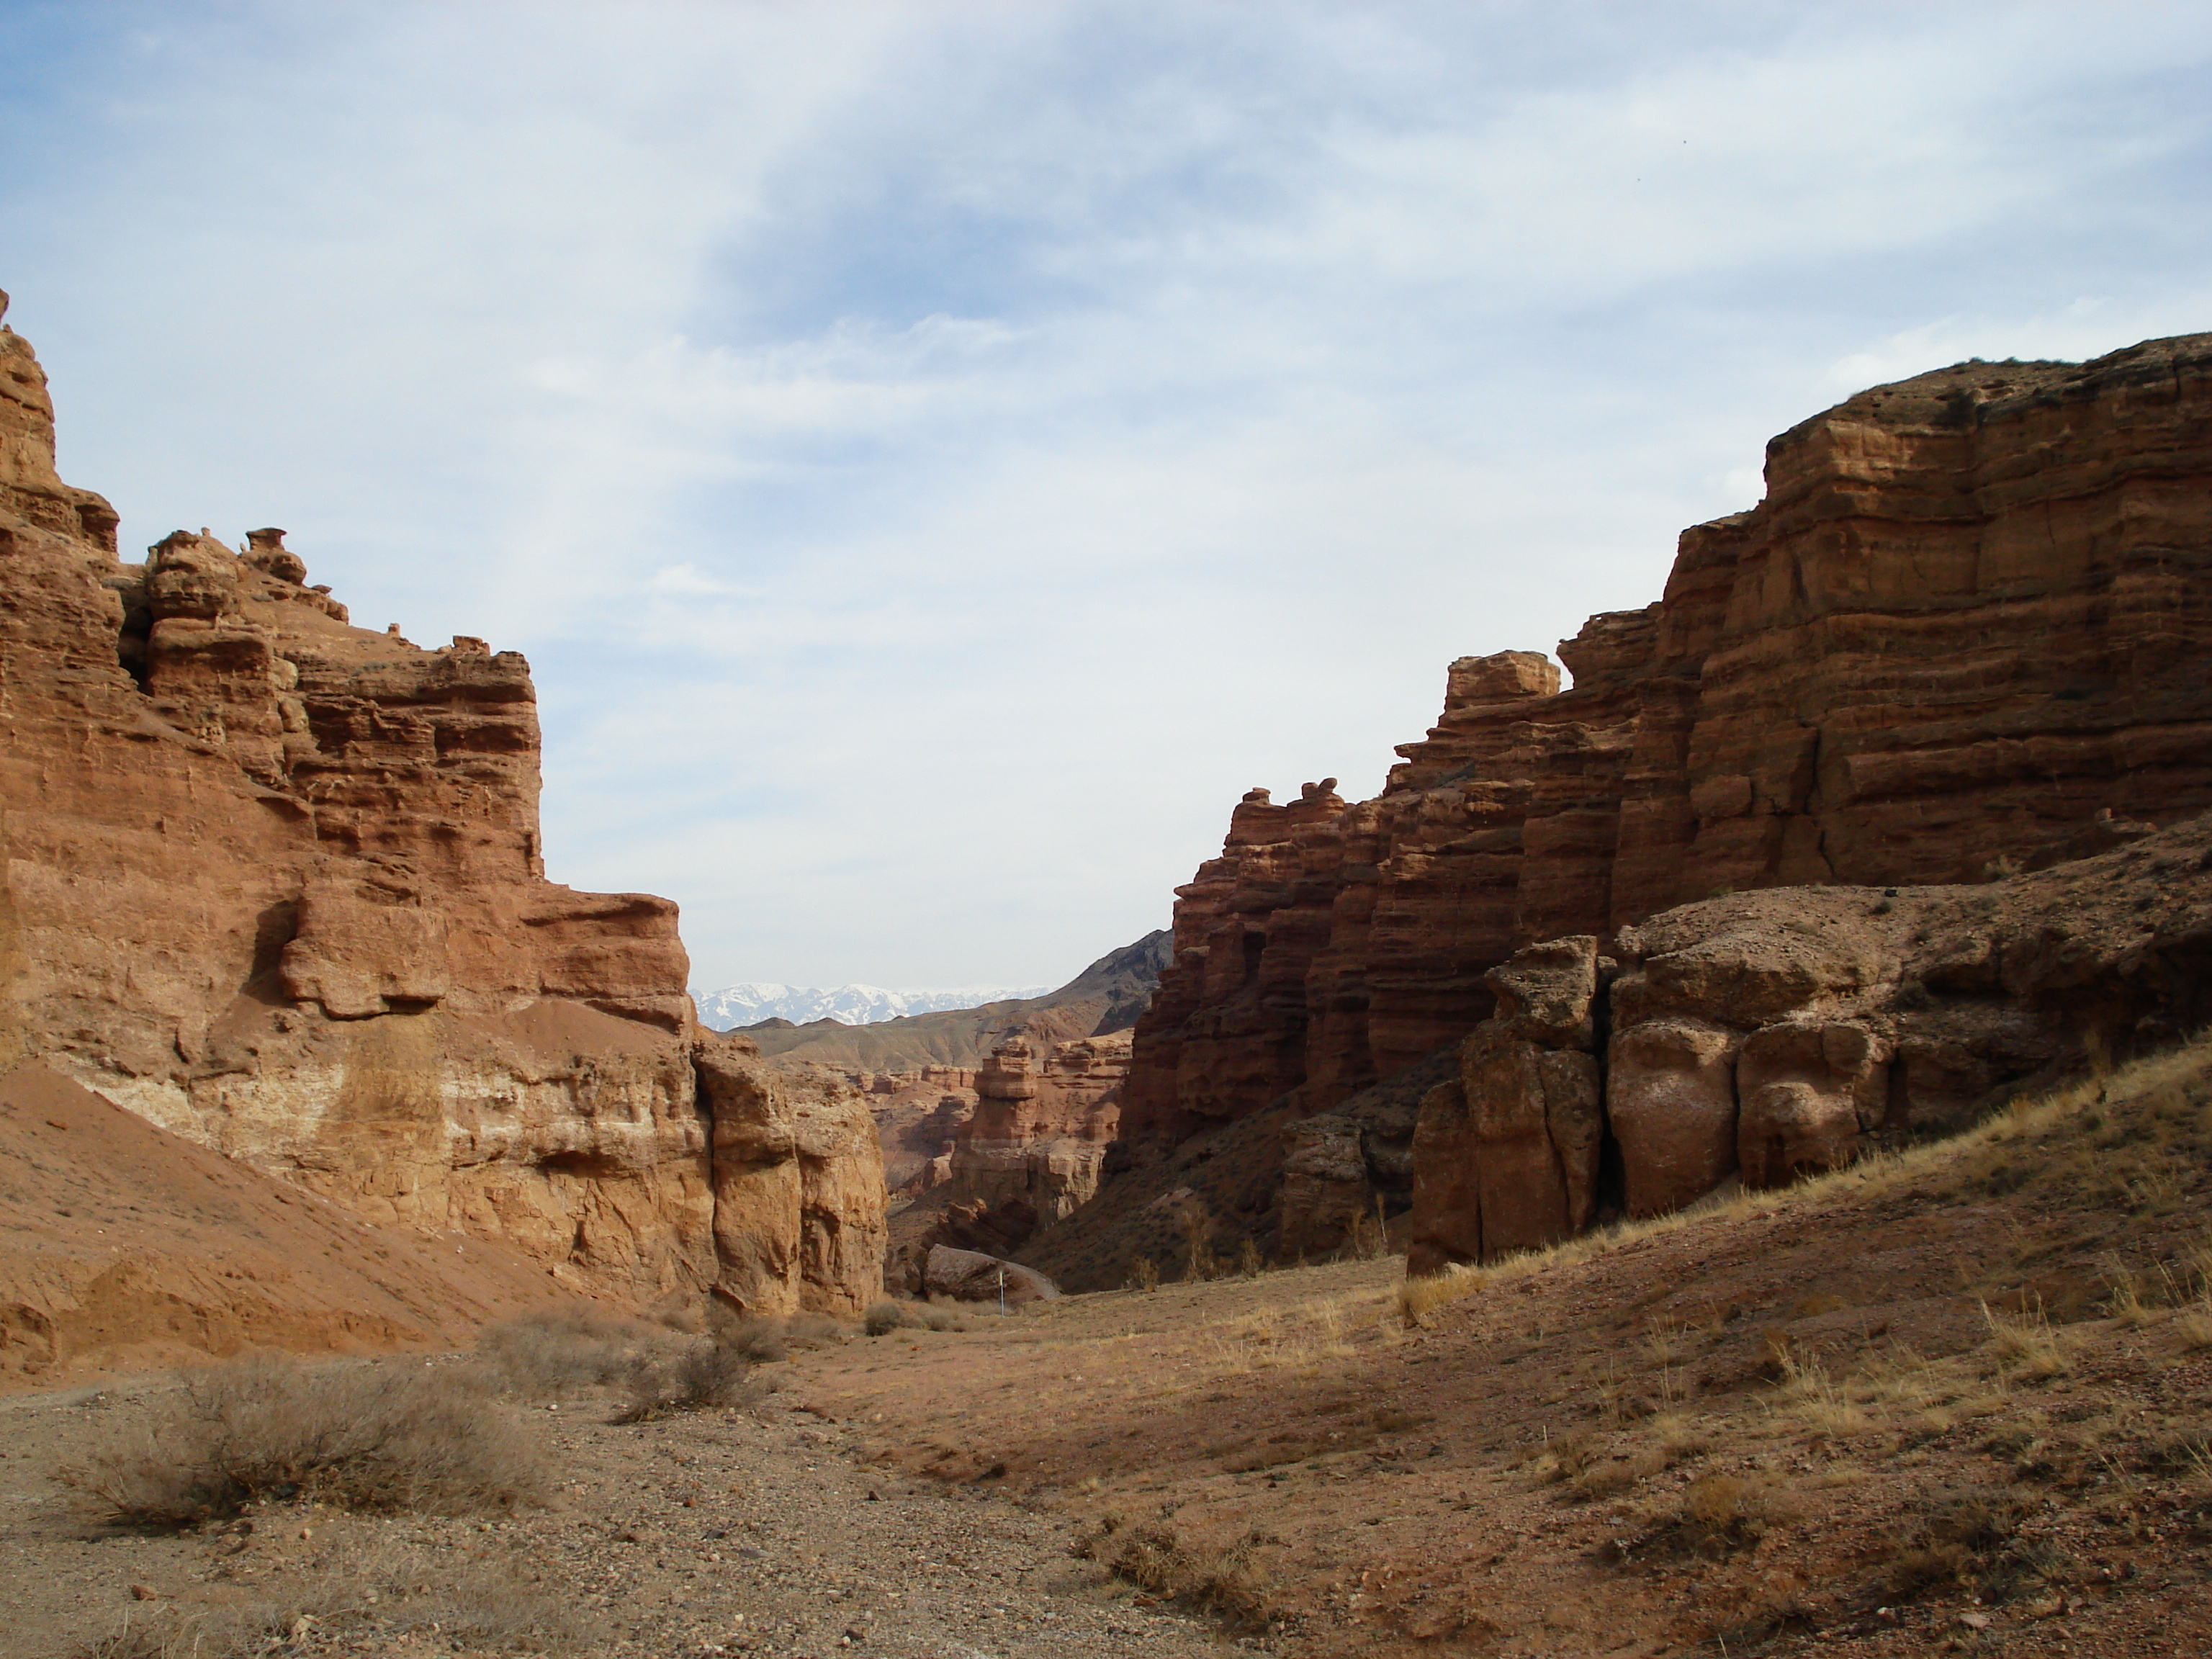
x,y
1958,1398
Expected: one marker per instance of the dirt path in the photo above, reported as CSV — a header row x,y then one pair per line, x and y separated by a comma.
x,y
752,1531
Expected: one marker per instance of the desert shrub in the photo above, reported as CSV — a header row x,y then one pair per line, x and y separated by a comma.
x,y
390,1437
1250,1262
758,1339
1197,1242
1226,1583
944,1319
562,1350
1143,1274
702,1376
883,1318
813,1330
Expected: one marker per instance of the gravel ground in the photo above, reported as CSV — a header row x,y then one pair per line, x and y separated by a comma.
x,y
756,1530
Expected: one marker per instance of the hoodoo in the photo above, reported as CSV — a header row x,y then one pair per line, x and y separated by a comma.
x,y
274,882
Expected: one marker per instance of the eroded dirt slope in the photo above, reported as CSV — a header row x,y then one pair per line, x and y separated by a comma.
x,y
1959,1399
124,1246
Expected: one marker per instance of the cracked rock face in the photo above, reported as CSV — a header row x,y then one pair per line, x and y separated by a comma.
x,y
1962,633
275,883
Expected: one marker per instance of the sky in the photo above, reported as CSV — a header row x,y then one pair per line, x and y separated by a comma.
x,y
936,456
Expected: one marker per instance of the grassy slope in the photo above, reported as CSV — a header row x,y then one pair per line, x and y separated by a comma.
x,y
1970,1384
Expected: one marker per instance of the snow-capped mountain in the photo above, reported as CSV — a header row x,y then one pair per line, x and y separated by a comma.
x,y
849,1004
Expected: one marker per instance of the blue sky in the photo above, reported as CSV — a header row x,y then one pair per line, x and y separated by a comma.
x,y
937,455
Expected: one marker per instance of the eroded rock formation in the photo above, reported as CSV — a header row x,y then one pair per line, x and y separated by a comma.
x,y
1764,1037
1967,619
1032,1152
273,882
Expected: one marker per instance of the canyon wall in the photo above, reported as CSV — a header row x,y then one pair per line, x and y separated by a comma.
x,y
1962,633
1761,1037
274,883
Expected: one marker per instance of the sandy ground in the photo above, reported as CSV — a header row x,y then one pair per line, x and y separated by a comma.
x,y
1958,1402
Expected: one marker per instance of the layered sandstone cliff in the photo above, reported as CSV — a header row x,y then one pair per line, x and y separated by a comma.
x,y
1757,1038
274,883
1967,619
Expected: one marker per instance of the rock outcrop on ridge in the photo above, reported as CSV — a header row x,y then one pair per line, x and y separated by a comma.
x,y
274,883
1964,630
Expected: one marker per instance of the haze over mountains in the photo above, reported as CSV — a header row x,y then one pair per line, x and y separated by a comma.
x,y
748,1004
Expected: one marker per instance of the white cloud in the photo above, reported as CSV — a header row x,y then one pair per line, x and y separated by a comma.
x,y
937,456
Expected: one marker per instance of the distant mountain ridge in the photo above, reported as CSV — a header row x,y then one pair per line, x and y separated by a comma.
x,y
1106,996
749,1004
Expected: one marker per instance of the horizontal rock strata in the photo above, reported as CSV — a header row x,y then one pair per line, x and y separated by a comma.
x,y
274,883
1965,624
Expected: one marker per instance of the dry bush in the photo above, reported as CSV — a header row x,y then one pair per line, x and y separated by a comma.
x,y
883,1318
1143,1274
812,1330
758,1338
1250,1264
364,1597
389,1437
1227,1583
944,1319
702,1376
563,1349
1197,1242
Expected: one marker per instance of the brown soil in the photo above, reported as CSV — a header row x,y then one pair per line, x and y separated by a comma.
x,y
1950,1401
1786,1423
123,1245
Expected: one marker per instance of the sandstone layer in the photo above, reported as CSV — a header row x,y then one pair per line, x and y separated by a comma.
x,y
1761,1037
274,883
123,1248
1965,624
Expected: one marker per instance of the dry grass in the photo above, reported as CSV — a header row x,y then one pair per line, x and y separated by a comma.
x,y
562,1351
382,1437
1227,1583
364,1597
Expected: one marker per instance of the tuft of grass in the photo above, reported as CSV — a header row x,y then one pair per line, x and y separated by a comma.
x,y
388,1438
1226,1583
2024,1345
883,1318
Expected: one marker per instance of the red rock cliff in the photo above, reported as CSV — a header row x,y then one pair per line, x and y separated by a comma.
x,y
1969,617
274,882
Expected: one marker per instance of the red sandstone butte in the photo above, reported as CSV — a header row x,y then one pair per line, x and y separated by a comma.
x,y
1970,616
274,883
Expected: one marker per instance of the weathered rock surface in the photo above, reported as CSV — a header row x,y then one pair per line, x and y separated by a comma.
x,y
971,1276
1763,1036
798,1186
274,883
1032,1151
123,1248
1965,624
1506,1155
